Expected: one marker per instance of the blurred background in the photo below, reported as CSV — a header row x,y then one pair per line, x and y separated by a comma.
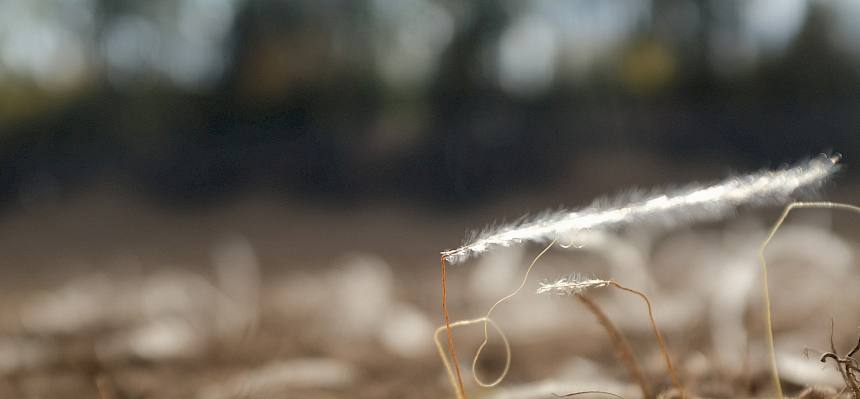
x,y
307,140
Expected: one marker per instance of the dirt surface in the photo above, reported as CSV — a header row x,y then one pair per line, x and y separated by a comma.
x,y
105,296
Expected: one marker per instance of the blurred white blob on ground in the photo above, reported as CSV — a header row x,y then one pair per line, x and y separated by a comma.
x,y
78,305
807,262
361,291
729,282
497,274
96,302
18,354
354,302
300,292
527,317
168,293
164,316
278,377
728,305
158,340
406,331
238,272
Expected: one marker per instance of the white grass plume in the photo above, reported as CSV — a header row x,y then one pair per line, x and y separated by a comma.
x,y
574,284
686,205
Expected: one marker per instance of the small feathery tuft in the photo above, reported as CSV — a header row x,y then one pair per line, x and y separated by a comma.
x,y
573,284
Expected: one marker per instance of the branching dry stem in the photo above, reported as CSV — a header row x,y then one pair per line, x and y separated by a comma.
x,y
847,365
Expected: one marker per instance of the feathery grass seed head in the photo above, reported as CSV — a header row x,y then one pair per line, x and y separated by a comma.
x,y
669,208
573,284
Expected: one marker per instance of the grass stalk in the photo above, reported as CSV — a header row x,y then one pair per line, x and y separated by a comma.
x,y
768,316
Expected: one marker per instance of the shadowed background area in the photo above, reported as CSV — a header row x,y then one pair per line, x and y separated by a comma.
x,y
263,186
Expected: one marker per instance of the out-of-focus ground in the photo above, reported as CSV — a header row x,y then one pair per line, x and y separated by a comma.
x,y
105,294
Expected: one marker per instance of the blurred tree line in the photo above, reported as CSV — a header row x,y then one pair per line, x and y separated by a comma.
x,y
432,99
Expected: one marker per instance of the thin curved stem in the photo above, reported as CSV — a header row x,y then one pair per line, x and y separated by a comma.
x,y
451,376
766,290
490,312
658,335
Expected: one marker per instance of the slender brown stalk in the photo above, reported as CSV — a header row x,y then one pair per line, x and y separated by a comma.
x,y
672,373
622,347
461,392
